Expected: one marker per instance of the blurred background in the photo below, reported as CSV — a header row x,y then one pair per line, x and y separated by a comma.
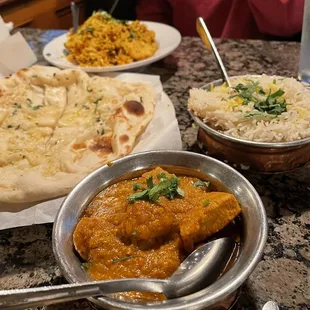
x,y
237,19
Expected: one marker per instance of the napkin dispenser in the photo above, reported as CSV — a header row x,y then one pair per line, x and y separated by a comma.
x,y
15,53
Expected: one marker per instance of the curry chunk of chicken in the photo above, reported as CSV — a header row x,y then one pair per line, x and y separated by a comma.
x,y
208,218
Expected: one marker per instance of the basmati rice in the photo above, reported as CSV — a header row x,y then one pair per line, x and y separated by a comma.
x,y
225,110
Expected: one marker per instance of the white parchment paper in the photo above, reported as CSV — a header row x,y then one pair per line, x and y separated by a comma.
x,y
161,133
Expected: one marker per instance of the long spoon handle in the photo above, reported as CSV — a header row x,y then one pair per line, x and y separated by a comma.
x,y
47,295
209,43
113,6
75,16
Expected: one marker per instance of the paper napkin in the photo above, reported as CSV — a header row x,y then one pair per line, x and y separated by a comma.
x,y
15,53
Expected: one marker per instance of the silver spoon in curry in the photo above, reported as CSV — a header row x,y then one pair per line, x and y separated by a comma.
x,y
200,269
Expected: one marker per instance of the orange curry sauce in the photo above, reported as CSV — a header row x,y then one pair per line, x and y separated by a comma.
x,y
123,239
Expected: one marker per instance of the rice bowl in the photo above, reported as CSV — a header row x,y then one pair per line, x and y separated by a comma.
x,y
258,155
257,108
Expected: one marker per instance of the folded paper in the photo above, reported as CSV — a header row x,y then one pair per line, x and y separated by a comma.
x,y
15,53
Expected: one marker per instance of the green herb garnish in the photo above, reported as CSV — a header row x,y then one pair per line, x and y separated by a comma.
x,y
138,196
246,91
149,182
133,35
85,266
202,183
90,30
122,259
162,176
102,132
206,203
165,187
271,104
134,233
136,186
36,107
17,105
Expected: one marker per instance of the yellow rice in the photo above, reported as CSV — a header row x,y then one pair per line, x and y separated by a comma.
x,y
105,41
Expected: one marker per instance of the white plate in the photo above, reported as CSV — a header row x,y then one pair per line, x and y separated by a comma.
x,y
167,38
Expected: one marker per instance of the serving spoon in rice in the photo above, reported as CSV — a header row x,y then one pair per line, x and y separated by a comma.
x,y
206,38
75,14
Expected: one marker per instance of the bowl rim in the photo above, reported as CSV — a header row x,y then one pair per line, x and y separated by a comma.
x,y
198,300
255,144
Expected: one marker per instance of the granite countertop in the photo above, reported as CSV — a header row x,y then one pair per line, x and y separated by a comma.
x,y
283,275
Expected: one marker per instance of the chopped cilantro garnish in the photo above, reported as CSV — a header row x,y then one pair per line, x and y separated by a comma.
x,y
271,102
90,30
36,107
133,35
149,182
206,203
202,183
162,176
165,187
138,196
85,266
136,186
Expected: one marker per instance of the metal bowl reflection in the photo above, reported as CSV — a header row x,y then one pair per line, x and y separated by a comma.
x,y
221,293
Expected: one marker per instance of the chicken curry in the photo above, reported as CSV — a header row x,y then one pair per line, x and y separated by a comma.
x,y
145,227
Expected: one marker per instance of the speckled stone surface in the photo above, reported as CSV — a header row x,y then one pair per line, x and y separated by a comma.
x,y
283,275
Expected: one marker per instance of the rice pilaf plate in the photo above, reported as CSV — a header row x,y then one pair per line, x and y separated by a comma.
x,y
106,41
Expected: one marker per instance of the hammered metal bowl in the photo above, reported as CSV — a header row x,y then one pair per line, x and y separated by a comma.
x,y
221,293
258,156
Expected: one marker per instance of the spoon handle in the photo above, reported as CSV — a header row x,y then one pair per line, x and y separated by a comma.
x,y
113,6
75,16
209,43
48,295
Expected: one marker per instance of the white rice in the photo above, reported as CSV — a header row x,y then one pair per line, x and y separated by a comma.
x,y
225,114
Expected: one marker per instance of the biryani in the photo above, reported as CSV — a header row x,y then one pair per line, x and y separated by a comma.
x,y
106,41
263,109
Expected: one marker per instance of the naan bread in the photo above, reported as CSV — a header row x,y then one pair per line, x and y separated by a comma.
x,y
56,126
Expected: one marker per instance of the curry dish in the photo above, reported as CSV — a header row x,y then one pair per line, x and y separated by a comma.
x,y
145,227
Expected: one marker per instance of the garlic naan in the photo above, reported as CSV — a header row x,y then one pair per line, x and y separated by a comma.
x,y
56,126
